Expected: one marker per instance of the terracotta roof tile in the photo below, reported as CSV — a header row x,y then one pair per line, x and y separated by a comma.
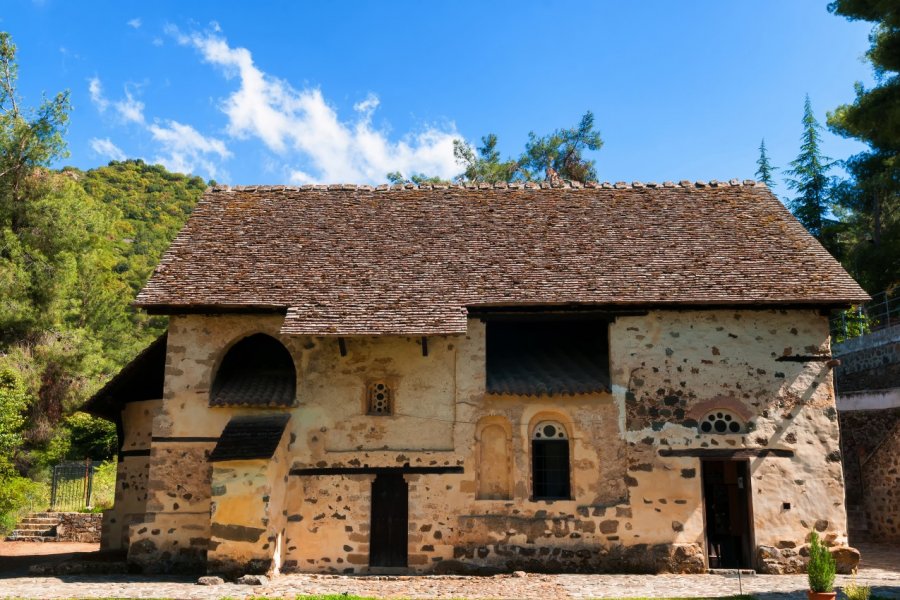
x,y
346,260
250,437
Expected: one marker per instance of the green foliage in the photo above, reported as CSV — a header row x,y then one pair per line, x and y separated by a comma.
x,y
868,201
850,323
18,496
485,166
13,401
764,169
75,248
563,150
103,489
854,591
821,568
396,177
809,176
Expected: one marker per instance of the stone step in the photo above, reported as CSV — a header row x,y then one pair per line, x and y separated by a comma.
x,y
38,521
31,532
36,538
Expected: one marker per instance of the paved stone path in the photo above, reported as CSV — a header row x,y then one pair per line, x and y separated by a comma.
x,y
881,570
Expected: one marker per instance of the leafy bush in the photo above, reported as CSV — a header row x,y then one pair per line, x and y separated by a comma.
x,y
18,496
853,591
821,568
103,490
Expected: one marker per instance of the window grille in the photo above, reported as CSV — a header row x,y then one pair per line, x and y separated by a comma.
x,y
380,399
550,461
722,422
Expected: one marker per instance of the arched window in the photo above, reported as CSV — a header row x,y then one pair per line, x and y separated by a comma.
x,y
721,421
550,461
256,371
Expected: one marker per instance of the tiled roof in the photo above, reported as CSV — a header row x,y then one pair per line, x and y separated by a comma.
x,y
358,260
246,438
256,388
140,379
257,371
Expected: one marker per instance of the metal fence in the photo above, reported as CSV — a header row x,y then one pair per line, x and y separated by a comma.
x,y
71,488
882,311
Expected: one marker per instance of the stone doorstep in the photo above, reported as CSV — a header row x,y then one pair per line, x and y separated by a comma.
x,y
731,572
39,538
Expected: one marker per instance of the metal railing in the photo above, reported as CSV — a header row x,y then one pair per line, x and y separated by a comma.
x,y
881,312
72,485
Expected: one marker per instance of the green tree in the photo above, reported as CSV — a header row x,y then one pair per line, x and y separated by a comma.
x,y
868,201
809,176
563,151
397,178
483,165
13,401
764,169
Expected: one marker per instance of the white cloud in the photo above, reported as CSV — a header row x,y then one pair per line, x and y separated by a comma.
x,y
95,89
136,23
181,147
131,110
301,124
105,147
185,149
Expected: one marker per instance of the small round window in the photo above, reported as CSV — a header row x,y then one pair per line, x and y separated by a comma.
x,y
549,430
721,421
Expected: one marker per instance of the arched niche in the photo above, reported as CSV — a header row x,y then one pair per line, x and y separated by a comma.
x,y
494,438
256,371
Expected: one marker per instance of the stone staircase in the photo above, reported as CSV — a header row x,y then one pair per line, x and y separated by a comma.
x,y
36,527
857,524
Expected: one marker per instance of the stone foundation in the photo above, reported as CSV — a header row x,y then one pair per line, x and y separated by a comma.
x,y
787,561
79,527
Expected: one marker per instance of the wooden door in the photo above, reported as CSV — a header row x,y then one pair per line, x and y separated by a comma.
x,y
390,521
726,495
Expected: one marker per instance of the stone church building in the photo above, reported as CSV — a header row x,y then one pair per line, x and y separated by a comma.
x,y
479,378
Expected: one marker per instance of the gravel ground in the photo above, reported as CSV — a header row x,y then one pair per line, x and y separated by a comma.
x,y
880,569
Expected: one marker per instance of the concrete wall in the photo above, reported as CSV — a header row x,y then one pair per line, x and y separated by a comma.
x,y
632,506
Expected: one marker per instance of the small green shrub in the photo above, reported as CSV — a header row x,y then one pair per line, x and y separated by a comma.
x,y
18,496
821,567
103,488
853,591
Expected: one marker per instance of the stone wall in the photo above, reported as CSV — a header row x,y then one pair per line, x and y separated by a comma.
x,y
78,527
132,472
635,504
869,362
881,482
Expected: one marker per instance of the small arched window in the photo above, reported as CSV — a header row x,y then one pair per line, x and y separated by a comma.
x,y
256,371
721,421
550,461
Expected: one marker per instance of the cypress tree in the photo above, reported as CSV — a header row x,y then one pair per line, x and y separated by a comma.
x,y
764,168
809,176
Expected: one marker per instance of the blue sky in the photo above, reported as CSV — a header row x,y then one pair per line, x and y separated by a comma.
x,y
296,92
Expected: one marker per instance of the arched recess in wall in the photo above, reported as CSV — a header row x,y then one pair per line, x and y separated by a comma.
x,y
256,371
494,473
550,439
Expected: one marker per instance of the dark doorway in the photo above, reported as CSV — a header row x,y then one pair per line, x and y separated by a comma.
x,y
726,495
390,515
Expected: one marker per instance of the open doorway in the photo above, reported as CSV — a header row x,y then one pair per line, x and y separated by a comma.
x,y
390,521
726,497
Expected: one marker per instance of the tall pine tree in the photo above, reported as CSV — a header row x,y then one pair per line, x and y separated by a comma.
x,y
764,168
809,176
868,201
